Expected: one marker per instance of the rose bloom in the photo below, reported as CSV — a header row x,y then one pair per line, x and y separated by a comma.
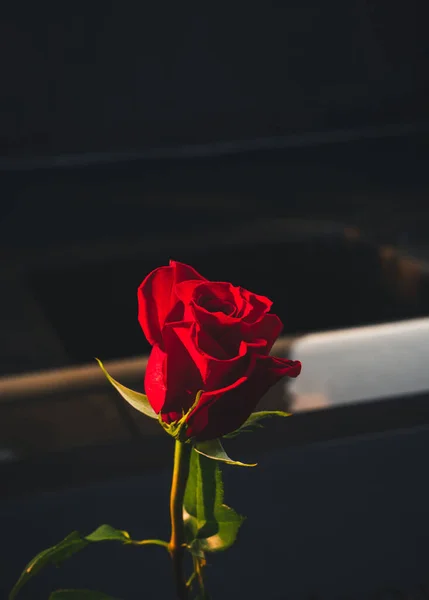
x,y
210,336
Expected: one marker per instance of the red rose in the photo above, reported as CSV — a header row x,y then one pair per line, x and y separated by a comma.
x,y
209,336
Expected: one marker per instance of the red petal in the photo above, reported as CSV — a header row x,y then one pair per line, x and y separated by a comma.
x,y
268,328
172,379
255,306
224,410
156,297
155,382
213,302
215,367
184,272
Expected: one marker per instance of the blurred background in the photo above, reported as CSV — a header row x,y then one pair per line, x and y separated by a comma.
x,y
283,147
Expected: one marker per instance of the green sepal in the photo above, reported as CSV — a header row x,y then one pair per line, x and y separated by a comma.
x,y
253,422
194,546
79,595
137,400
177,429
69,546
210,525
213,449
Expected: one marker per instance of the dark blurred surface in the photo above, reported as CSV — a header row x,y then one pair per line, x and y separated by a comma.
x,y
286,150
323,231
76,243
335,519
114,77
343,87
73,440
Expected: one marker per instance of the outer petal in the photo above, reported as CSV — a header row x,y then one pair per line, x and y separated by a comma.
x,y
172,380
156,297
268,328
224,410
231,332
155,381
256,306
215,367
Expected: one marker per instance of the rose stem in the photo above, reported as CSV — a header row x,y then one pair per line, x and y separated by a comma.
x,y
182,454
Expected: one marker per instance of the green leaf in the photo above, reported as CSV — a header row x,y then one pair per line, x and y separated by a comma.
x,y
253,421
210,525
73,543
213,449
106,533
229,523
79,595
200,495
136,399
51,556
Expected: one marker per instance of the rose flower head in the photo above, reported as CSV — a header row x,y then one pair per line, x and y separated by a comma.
x,y
210,336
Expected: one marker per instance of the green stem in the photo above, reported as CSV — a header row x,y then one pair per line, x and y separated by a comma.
x,y
191,579
176,546
198,572
154,542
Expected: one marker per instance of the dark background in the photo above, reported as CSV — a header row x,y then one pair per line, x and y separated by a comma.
x,y
115,76
344,519
282,146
